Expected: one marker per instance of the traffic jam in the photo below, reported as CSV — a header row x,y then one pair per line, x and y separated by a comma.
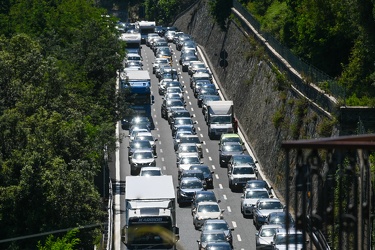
x,y
175,57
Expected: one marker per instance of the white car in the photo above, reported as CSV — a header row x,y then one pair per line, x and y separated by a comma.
x,y
295,239
265,235
187,149
250,197
239,175
206,210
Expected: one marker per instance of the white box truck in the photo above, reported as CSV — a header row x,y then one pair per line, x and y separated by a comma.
x,y
219,118
150,207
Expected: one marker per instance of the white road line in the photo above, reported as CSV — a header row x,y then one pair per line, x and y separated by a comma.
x,y
234,224
204,142
188,97
213,167
239,237
159,135
156,123
209,158
220,186
225,197
201,135
229,209
192,110
217,176
159,141
164,168
162,159
199,128
189,103
207,150
161,150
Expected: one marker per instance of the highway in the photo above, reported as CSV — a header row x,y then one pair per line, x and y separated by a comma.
x,y
243,234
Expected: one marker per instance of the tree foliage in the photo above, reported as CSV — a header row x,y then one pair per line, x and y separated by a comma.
x,y
58,109
335,36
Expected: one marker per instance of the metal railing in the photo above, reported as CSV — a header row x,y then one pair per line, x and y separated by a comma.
x,y
329,189
110,217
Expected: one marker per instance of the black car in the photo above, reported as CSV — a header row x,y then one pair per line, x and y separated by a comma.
x,y
217,224
136,145
203,99
258,184
218,246
211,237
187,188
279,218
182,122
193,173
227,150
200,196
179,113
168,104
201,84
207,174
185,61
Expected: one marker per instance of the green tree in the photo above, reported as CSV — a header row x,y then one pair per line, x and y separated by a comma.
x,y
68,242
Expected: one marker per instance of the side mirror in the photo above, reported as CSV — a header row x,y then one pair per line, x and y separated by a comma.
x,y
156,139
155,156
212,172
257,234
128,146
178,187
218,201
222,210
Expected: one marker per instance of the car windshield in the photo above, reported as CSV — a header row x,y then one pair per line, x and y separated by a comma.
x,y
231,139
198,175
140,144
257,184
208,208
213,237
191,185
188,149
256,194
232,148
145,137
175,103
211,98
204,169
216,226
150,173
173,90
193,139
270,205
183,122
243,171
161,60
205,197
221,119
190,160
243,160
268,232
280,219
143,155
292,239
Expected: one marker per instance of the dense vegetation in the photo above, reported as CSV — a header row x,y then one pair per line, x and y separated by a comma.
x,y
58,63
336,36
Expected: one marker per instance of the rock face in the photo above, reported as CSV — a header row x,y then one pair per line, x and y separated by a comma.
x,y
268,110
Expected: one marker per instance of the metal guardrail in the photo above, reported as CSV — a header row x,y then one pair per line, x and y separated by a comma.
x,y
110,217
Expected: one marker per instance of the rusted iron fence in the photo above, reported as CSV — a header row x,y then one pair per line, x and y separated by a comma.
x,y
329,190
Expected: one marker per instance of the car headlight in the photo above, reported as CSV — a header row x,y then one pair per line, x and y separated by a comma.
x,y
199,218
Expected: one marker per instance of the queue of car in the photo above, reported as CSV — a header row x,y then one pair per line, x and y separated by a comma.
x,y
195,178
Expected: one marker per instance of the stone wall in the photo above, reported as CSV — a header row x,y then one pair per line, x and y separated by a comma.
x,y
268,110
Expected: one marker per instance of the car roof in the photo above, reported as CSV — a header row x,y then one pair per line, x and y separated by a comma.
x,y
150,168
143,151
215,221
229,135
268,200
255,189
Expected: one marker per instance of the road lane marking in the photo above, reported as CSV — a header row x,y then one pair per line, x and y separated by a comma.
x,y
209,158
164,168
239,237
213,167
217,176
225,197
234,224
161,150
204,142
162,159
188,97
199,128
189,103
192,110
220,186
207,150
229,209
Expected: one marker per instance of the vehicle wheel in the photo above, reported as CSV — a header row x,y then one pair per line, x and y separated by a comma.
x,y
196,228
132,172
